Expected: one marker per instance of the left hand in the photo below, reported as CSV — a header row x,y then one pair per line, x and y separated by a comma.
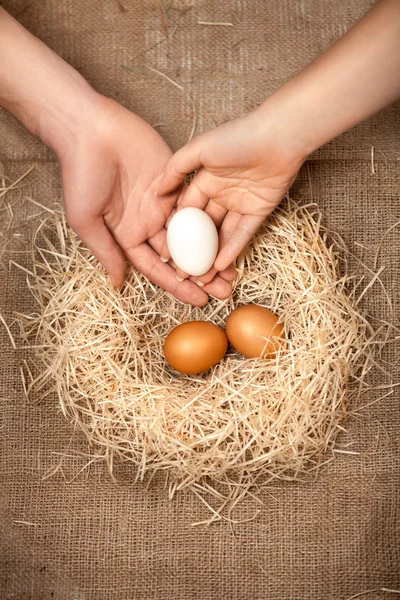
x,y
110,161
110,176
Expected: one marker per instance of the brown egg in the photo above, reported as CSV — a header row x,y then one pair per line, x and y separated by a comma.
x,y
195,347
249,327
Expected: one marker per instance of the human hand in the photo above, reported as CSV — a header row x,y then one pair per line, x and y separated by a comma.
x,y
111,161
244,168
110,176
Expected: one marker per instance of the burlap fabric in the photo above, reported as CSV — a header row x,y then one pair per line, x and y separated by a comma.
x,y
78,535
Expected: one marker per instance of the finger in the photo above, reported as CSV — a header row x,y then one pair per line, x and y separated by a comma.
x,y
219,288
164,252
95,235
147,261
184,161
243,233
159,244
216,212
227,228
229,274
196,194
207,277
165,255
156,242
181,275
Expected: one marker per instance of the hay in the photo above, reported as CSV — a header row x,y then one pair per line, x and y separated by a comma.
x,y
8,227
188,96
246,421
215,23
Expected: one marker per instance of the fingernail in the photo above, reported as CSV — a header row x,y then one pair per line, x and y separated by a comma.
x,y
180,279
200,283
163,259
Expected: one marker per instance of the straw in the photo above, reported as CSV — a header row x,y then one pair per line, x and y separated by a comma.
x,y
246,421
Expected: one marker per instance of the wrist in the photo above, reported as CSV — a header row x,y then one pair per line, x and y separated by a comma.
x,y
281,122
63,119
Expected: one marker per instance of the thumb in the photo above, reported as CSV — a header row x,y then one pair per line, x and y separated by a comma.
x,y
94,234
184,161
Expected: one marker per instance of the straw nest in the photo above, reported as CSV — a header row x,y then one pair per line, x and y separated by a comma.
x,y
245,421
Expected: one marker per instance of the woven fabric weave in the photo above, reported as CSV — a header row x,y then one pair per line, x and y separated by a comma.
x,y
80,536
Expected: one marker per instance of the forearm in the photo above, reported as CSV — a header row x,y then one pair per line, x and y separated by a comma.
x,y
45,93
355,78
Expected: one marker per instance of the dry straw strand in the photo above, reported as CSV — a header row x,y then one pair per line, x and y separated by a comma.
x,y
188,96
4,190
220,24
366,592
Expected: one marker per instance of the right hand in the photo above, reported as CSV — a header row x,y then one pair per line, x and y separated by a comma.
x,y
245,168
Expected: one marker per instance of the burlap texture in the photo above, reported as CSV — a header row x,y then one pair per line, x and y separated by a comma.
x,y
92,539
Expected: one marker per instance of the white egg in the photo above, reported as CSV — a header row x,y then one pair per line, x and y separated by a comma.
x,y
192,240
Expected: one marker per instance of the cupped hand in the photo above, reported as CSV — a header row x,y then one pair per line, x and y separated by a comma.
x,y
244,170
110,178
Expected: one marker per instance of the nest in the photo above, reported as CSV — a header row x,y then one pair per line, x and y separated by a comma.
x,y
244,422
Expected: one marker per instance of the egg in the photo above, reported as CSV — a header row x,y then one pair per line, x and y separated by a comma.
x,y
195,347
254,331
192,240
